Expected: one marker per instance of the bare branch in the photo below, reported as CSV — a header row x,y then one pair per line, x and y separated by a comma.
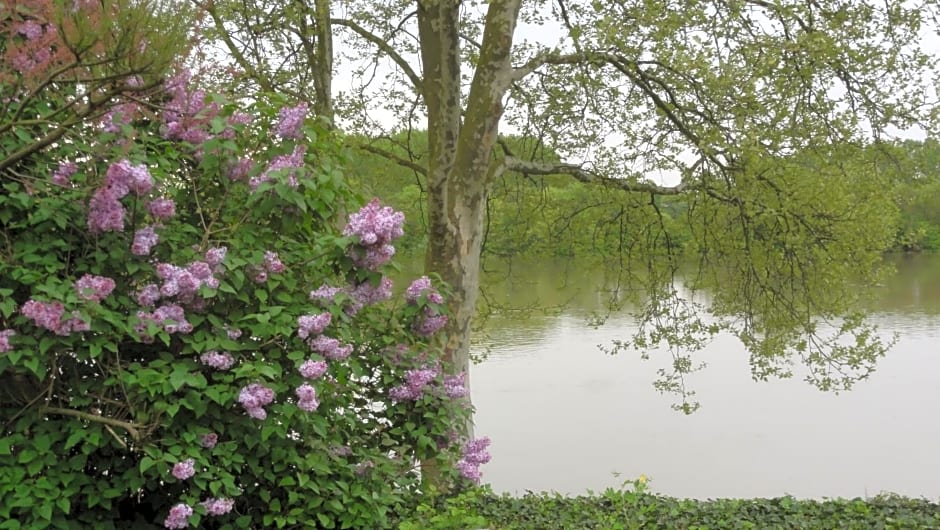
x,y
383,46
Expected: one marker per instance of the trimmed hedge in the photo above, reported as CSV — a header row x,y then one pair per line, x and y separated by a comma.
x,y
634,509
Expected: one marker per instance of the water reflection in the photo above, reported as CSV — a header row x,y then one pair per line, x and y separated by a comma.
x,y
564,416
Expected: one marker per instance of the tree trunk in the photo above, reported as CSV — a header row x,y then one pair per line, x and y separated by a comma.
x,y
323,72
460,156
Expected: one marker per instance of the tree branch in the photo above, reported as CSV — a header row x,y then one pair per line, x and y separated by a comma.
x,y
393,157
132,429
578,172
383,46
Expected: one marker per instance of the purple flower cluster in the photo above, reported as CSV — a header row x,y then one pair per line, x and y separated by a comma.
x,y
185,469
218,506
49,316
330,348
290,165
290,121
429,322
415,383
178,517
240,169
62,175
254,397
312,324
209,440
474,455
162,208
272,263
361,295
187,115
30,29
219,361
94,288
184,283
376,228
119,116
105,211
148,295
307,398
313,369
421,286
215,256
455,386
144,241
368,294
170,317
232,333
5,335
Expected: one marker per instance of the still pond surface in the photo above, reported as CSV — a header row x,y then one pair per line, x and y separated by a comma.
x,y
566,417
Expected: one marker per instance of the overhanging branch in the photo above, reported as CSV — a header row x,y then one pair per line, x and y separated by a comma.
x,y
578,172
418,168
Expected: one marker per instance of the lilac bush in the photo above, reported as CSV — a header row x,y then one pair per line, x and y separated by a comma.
x,y
184,320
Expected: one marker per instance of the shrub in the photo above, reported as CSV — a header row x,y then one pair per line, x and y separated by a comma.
x,y
188,337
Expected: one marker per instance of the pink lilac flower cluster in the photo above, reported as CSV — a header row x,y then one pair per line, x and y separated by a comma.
x,y
49,315
360,295
239,170
209,440
185,469
326,294
290,165
218,506
144,241
290,121
94,288
5,335
330,348
416,381
36,54
105,211
421,286
178,517
376,228
253,398
63,174
119,116
232,333
474,455
307,398
170,317
219,361
271,265
428,321
313,369
308,325
162,208
148,295
187,115
184,283
215,255
455,386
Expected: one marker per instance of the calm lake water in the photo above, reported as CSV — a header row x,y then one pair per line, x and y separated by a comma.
x,y
564,416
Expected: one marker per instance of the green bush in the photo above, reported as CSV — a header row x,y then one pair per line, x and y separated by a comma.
x,y
635,508
147,383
